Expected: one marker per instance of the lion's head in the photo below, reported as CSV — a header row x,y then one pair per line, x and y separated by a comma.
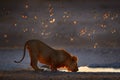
x,y
72,64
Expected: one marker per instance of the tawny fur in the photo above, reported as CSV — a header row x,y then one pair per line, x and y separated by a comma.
x,y
41,52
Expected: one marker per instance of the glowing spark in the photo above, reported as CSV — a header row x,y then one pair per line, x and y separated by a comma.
x,y
5,35
63,16
83,32
26,6
93,31
15,24
113,31
95,45
42,33
66,12
51,14
32,29
67,16
24,17
74,22
35,17
112,18
56,34
71,39
52,20
25,30
51,10
43,22
116,16
46,26
106,16
89,34
103,26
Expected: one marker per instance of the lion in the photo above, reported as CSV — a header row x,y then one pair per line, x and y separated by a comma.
x,y
41,52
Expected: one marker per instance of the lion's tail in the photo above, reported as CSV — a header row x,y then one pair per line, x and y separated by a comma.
x,y
23,54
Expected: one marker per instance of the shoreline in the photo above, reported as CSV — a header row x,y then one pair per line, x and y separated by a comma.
x,y
48,75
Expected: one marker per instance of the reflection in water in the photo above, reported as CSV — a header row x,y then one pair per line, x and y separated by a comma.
x,y
87,69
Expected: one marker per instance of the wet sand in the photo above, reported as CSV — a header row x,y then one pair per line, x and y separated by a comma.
x,y
48,75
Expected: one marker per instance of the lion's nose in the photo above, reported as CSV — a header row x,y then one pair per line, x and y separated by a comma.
x,y
75,70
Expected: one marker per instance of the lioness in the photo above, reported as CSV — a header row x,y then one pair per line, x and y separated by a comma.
x,y
41,52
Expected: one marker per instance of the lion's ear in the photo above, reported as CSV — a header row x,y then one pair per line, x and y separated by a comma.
x,y
74,58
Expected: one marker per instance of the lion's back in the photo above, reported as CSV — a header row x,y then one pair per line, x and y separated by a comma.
x,y
37,44
40,48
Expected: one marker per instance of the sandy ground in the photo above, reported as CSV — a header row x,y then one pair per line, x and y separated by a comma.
x,y
47,75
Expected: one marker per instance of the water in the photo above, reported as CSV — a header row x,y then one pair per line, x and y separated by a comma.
x,y
85,56
87,69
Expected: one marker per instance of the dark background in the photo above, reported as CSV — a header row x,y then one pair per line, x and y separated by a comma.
x,y
60,23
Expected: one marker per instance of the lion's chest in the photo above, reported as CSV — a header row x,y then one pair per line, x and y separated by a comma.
x,y
42,60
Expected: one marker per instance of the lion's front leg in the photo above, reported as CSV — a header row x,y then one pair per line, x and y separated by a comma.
x,y
34,62
53,67
34,65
